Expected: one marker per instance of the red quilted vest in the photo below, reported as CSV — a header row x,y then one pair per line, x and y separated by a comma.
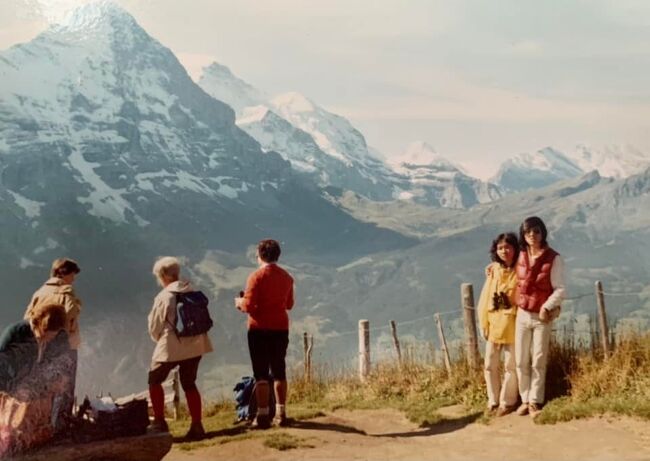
x,y
534,282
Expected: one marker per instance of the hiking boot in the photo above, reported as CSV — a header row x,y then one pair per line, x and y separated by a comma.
x,y
261,422
502,411
280,420
157,426
534,409
523,409
196,432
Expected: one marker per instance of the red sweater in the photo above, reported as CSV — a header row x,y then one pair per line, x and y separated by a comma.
x,y
268,297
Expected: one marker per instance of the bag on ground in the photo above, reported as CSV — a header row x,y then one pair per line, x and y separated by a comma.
x,y
245,401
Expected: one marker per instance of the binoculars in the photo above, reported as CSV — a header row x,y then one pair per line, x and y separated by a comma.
x,y
500,301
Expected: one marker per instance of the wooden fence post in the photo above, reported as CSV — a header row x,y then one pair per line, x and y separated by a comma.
x,y
469,319
602,318
177,395
310,349
364,349
305,349
443,343
393,330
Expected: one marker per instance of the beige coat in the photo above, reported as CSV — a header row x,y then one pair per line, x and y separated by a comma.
x,y
162,318
56,291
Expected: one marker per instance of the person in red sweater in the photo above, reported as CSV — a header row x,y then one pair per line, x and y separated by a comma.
x,y
267,300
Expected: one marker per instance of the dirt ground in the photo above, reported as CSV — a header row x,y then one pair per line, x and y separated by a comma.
x,y
388,435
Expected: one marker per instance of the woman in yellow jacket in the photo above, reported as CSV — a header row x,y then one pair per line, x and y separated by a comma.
x,y
497,313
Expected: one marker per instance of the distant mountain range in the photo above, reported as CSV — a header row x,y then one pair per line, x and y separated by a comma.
x,y
547,166
335,154
306,134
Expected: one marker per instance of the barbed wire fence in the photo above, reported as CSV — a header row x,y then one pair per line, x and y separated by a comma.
x,y
593,332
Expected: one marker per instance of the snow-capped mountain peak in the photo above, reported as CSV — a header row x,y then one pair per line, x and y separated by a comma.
x,y
121,117
529,171
311,138
616,161
421,154
293,102
91,15
435,179
220,83
334,134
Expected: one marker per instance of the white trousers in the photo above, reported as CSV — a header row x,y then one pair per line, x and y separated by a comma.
x,y
504,394
532,338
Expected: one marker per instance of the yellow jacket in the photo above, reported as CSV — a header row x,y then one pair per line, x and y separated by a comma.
x,y
499,323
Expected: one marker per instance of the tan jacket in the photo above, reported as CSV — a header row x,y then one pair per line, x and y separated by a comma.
x,y
56,291
162,319
499,324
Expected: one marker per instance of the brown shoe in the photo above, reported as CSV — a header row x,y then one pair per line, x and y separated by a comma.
x,y
502,411
195,433
523,409
534,409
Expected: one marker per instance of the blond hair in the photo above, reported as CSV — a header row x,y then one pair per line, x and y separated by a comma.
x,y
167,266
46,317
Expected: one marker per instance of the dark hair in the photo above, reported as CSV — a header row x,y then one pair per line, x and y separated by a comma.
x,y
64,266
269,250
530,223
511,239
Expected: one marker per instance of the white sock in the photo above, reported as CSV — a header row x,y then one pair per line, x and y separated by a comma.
x,y
263,411
279,409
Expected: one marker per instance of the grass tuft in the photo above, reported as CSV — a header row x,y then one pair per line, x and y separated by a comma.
x,y
283,441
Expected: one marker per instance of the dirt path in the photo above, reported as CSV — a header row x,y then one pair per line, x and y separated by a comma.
x,y
387,434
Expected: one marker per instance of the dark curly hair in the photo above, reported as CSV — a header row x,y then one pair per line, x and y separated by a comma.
x,y
511,239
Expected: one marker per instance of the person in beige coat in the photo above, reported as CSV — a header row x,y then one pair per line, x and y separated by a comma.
x,y
172,351
58,290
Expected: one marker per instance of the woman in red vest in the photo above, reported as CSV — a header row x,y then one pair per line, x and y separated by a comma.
x,y
540,291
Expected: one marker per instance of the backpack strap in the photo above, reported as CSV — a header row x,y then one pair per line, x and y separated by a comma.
x,y
178,299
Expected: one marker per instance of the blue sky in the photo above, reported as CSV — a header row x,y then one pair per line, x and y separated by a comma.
x,y
479,81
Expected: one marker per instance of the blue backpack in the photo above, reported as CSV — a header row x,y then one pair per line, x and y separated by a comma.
x,y
192,314
245,401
